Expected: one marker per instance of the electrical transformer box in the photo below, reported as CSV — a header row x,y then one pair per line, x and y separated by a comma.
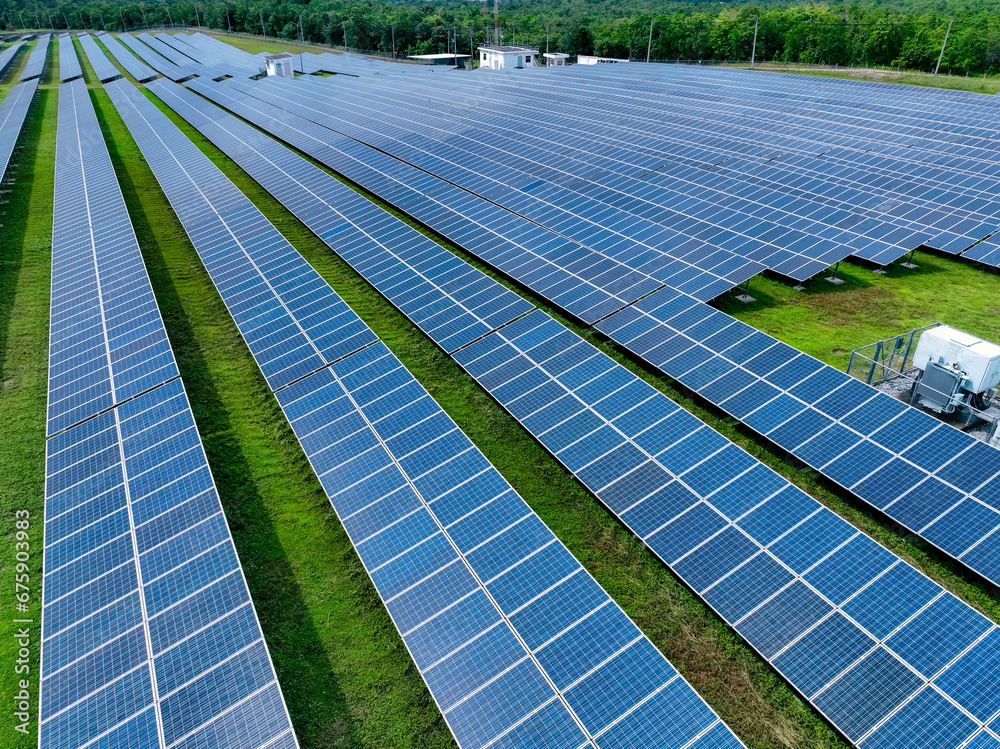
x,y
976,359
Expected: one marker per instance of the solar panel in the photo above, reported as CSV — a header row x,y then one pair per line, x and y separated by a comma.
x,y
7,55
519,247
517,643
451,301
69,63
292,320
36,60
468,573
928,476
156,61
149,637
107,341
180,61
104,69
13,111
126,59
606,251
844,620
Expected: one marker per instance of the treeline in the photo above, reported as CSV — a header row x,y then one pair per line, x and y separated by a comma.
x,y
833,34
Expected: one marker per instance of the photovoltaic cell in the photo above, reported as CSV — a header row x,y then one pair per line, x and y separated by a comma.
x,y
928,476
136,68
462,564
147,624
107,342
832,610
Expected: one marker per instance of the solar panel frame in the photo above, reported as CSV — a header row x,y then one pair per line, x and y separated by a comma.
x,y
69,63
741,536
37,59
107,341
424,446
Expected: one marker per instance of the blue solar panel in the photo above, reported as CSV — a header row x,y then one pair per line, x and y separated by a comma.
x,y
104,69
291,319
512,636
9,53
69,63
107,342
930,477
13,111
452,302
126,59
831,609
36,60
147,624
437,529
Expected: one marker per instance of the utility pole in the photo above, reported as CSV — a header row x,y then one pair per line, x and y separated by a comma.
x,y
103,25
145,21
123,19
753,52
262,31
302,67
197,17
496,22
393,42
941,56
229,24
66,20
546,37
472,50
170,17
649,44
344,24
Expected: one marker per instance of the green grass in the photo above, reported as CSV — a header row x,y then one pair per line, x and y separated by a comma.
x,y
25,252
829,321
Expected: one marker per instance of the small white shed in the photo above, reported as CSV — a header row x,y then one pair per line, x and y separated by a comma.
x,y
504,58
279,64
555,59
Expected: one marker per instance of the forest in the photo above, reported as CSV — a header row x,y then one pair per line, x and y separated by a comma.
x,y
909,35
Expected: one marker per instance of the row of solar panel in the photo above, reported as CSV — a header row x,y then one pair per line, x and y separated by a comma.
x,y
972,558
779,238
750,131
591,286
645,239
36,60
107,341
13,112
454,303
104,69
677,142
933,479
942,516
753,545
148,634
133,66
637,156
69,63
516,642
8,54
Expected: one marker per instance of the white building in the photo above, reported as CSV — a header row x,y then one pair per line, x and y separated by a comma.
x,y
279,64
503,58
555,59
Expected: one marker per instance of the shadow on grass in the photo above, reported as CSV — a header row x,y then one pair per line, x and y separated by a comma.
x,y
315,700
15,223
